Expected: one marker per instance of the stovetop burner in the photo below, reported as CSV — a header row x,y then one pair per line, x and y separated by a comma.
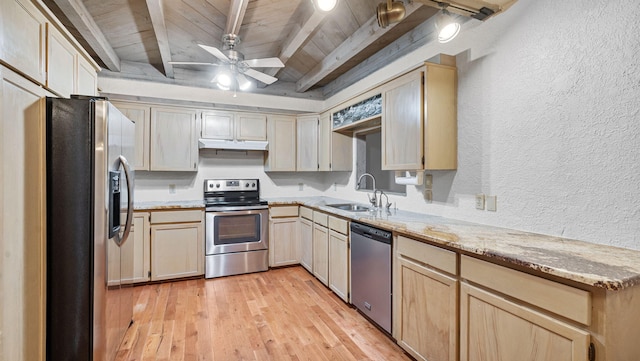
x,y
232,193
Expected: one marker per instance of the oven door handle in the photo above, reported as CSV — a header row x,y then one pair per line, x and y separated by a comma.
x,y
236,208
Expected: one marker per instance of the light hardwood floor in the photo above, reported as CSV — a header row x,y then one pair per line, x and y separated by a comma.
x,y
283,314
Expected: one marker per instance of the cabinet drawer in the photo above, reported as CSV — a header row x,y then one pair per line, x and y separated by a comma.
x,y
339,225
433,256
306,213
286,211
566,301
176,216
320,218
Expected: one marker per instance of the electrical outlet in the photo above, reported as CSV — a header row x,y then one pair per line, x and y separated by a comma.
x,y
172,189
480,201
492,203
335,187
300,186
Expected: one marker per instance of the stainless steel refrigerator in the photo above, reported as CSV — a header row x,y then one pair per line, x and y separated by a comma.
x,y
89,216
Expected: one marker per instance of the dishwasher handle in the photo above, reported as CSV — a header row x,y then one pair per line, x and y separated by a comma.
x,y
371,233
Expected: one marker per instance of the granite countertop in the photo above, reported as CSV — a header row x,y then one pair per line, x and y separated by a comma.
x,y
164,205
602,266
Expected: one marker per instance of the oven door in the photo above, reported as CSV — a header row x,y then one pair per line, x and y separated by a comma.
x,y
236,231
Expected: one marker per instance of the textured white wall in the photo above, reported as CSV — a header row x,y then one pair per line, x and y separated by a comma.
x,y
549,121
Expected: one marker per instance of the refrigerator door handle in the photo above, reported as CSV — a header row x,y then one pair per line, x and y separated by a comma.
x,y
127,227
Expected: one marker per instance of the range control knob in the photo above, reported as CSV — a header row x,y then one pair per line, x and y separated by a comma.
x,y
218,185
210,185
247,185
253,185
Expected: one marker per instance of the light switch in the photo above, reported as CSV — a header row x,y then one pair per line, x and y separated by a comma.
x,y
480,201
492,203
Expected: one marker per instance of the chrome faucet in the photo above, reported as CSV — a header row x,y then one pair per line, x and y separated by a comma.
x,y
373,200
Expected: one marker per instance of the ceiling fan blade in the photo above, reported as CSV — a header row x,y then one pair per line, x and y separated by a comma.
x,y
215,52
267,79
265,63
191,63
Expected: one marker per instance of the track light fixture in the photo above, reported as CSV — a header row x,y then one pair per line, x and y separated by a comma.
x,y
390,12
446,26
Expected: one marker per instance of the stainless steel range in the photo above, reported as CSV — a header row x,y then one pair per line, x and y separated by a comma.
x,y
236,227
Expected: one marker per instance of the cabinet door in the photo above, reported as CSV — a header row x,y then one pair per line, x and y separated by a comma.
x,y
339,264
177,250
283,241
140,241
86,78
324,142
493,328
428,312
22,44
402,123
251,126
321,253
281,156
218,125
22,231
306,244
61,63
307,156
140,115
441,119
174,140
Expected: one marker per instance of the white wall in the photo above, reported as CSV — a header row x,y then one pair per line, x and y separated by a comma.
x,y
548,117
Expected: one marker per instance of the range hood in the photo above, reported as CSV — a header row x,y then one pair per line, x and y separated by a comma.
x,y
232,144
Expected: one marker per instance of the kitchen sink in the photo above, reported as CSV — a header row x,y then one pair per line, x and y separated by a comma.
x,y
350,207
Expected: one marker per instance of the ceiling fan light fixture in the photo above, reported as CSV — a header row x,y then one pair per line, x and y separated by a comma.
x,y
224,79
390,12
446,26
244,84
326,5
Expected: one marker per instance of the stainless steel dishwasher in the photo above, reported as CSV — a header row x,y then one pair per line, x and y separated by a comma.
x,y
371,273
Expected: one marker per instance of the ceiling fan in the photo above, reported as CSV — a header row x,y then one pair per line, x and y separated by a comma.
x,y
234,66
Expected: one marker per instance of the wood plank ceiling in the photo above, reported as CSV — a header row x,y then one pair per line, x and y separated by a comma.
x,y
137,39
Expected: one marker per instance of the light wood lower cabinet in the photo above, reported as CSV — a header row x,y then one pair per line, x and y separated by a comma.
x,y
493,328
306,244
177,244
140,241
339,264
283,236
425,300
321,247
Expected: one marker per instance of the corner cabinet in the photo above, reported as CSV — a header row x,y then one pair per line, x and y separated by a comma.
x,y
174,139
425,301
283,236
419,122
281,155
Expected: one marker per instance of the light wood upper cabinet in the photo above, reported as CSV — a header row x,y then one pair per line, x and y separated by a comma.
x,y
251,126
86,78
419,122
218,125
174,139
233,126
335,150
307,147
22,44
61,63
140,114
281,155
402,123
